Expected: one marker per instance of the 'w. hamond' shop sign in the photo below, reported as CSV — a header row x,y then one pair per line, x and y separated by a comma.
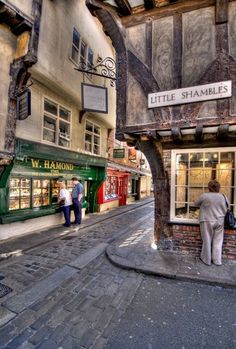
x,y
192,94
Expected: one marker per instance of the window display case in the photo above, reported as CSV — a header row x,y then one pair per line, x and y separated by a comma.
x,y
26,193
55,191
41,192
20,190
111,188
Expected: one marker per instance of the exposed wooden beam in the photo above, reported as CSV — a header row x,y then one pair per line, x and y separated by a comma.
x,y
124,7
149,4
223,132
199,134
221,11
167,10
176,135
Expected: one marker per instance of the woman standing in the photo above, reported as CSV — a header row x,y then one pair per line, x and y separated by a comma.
x,y
211,217
66,202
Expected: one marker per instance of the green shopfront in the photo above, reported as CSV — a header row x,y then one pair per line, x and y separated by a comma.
x,y
29,187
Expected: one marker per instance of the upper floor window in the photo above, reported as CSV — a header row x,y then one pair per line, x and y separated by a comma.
x,y
75,45
92,138
191,172
80,52
56,124
90,57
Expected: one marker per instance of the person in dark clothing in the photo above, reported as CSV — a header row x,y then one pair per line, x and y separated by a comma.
x,y
77,194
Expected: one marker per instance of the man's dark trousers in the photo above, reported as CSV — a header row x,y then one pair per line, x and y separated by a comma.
x,y
77,207
66,211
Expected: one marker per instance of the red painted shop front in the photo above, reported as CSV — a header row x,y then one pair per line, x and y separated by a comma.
x,y
114,188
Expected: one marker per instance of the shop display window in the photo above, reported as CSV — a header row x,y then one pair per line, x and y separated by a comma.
x,y
28,193
20,191
55,191
41,189
111,188
191,172
69,185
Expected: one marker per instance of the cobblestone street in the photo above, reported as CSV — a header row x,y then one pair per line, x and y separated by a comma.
x,y
65,292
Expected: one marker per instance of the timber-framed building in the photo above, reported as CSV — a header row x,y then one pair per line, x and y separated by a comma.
x,y
176,102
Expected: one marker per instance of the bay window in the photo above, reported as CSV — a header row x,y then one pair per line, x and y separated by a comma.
x,y
192,169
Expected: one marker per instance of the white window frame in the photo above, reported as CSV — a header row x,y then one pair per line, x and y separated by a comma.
x,y
173,178
78,49
73,46
57,119
92,134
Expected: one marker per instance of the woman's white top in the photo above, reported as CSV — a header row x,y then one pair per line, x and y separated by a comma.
x,y
65,194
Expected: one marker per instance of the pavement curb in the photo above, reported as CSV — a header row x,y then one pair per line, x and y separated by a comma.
x,y
126,264
11,246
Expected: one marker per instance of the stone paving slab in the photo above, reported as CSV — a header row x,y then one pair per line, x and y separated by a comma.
x,y
41,289
5,316
88,256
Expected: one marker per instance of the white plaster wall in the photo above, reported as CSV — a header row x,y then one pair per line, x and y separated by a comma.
x,y
31,128
24,6
54,65
7,49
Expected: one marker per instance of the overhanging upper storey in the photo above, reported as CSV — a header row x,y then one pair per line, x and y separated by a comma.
x,y
168,49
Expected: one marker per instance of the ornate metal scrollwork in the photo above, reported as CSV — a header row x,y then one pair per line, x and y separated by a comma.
x,y
104,68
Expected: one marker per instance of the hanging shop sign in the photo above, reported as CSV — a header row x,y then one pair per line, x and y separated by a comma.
x,y
192,94
94,98
132,154
119,153
23,105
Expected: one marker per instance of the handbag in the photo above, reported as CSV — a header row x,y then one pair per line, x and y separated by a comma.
x,y
229,217
62,202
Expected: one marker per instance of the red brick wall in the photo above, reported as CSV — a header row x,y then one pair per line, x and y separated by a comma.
x,y
187,239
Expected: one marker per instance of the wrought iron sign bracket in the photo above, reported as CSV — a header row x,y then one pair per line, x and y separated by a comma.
x,y
104,68
81,115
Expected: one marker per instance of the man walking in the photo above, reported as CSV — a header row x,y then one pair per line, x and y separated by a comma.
x,y
77,199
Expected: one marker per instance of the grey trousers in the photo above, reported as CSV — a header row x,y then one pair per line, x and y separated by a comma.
x,y
212,234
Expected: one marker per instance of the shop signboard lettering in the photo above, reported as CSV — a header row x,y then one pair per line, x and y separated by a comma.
x,y
119,153
55,166
192,94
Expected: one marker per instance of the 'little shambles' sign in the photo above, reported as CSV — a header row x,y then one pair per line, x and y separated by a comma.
x,y
192,94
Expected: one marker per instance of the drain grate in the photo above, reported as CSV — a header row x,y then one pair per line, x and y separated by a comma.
x,y
68,238
4,290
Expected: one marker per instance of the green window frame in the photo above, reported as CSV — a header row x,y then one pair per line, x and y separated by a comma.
x,y
32,193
